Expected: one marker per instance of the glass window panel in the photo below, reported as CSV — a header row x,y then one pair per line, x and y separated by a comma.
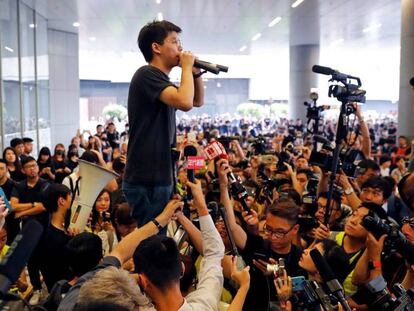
x,y
27,49
10,69
43,81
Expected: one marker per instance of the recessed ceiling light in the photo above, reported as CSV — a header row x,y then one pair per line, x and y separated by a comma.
x,y
243,48
256,36
205,86
76,24
275,21
218,84
32,25
92,38
9,49
297,3
371,27
337,42
158,1
159,16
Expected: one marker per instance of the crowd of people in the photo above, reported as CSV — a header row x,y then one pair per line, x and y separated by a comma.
x,y
283,188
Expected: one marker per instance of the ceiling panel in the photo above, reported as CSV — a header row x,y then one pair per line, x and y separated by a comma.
x,y
223,26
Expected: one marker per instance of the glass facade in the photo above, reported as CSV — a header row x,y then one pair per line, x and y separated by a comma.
x,y
24,75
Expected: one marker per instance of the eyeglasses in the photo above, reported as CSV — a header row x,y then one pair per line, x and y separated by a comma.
x,y
29,166
408,220
275,233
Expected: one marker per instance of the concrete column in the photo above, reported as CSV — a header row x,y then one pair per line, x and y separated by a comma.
x,y
406,102
301,77
63,48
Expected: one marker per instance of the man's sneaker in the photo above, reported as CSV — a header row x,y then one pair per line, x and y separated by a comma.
x,y
34,300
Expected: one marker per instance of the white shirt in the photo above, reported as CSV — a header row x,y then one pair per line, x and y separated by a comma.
x,y
210,278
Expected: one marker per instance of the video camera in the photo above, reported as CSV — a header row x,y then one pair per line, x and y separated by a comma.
x,y
403,300
322,157
396,240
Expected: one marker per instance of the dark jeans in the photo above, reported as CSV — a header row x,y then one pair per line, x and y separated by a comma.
x,y
146,202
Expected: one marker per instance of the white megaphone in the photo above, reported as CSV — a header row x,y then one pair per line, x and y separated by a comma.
x,y
93,178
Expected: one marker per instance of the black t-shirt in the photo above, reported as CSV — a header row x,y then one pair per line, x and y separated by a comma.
x,y
152,129
44,165
27,194
262,289
59,176
54,266
17,175
113,139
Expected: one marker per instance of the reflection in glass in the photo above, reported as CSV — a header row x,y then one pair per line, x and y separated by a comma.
x,y
27,49
10,70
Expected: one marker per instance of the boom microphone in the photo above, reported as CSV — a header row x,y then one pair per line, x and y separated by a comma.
x,y
336,75
329,277
210,67
18,254
323,70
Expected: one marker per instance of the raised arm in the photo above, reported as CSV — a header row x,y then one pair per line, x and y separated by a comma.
x,y
240,236
126,247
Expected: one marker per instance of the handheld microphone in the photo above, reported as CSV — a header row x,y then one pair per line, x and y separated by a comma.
x,y
18,254
237,189
328,276
190,151
210,67
223,214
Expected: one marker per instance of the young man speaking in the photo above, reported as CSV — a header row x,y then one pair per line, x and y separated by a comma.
x,y
152,102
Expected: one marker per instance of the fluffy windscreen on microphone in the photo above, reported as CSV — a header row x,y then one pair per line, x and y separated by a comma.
x,y
190,151
323,70
18,254
321,264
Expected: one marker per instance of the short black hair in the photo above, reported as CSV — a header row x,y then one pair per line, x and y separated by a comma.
x,y
16,141
286,209
51,195
27,159
3,161
366,164
305,171
118,166
89,156
155,31
27,140
384,158
375,208
378,182
336,197
84,251
158,258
